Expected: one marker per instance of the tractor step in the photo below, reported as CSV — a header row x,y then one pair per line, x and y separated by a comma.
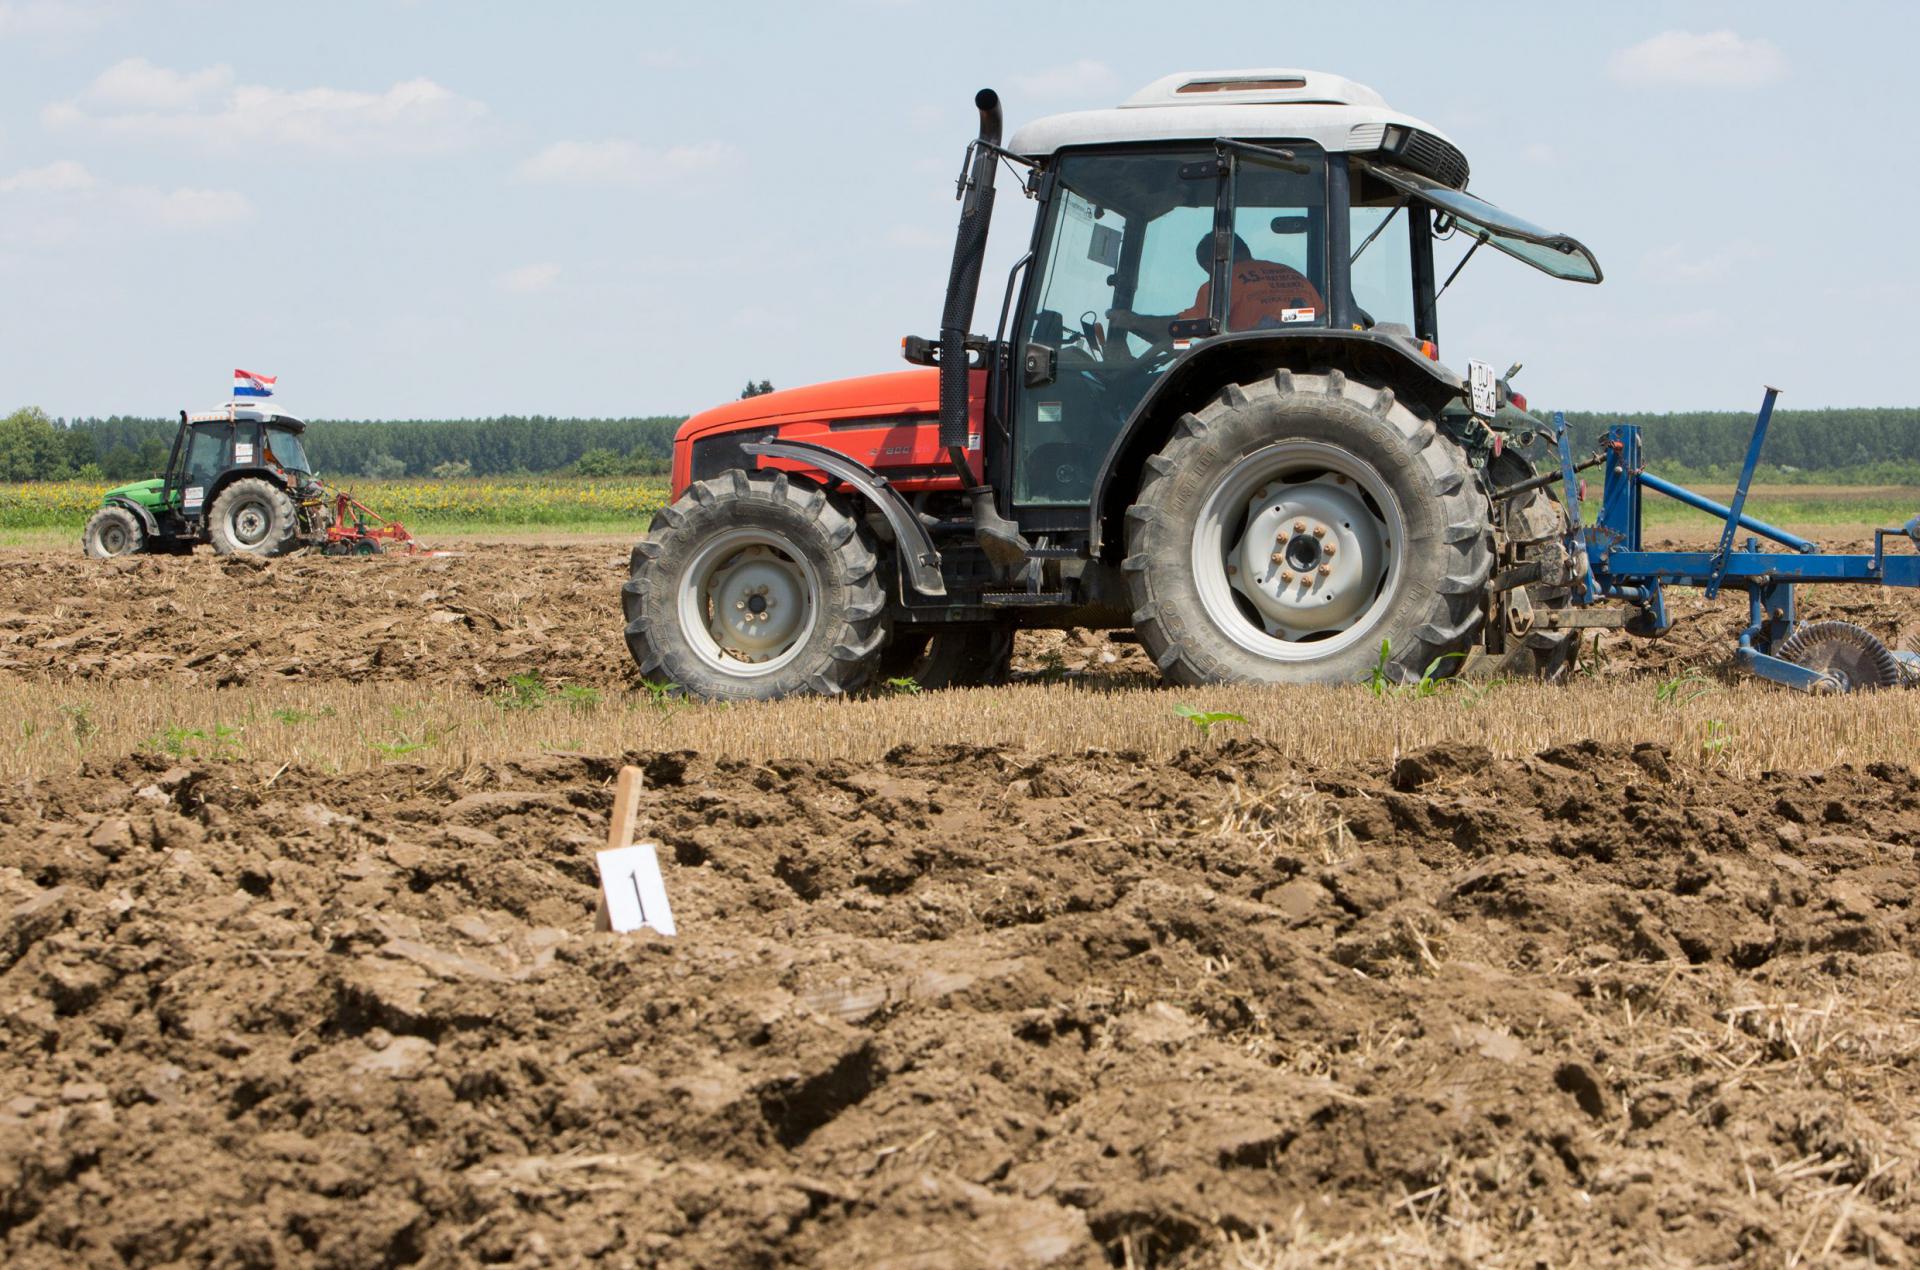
x,y
1024,599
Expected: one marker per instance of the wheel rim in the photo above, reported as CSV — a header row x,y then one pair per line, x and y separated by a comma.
x,y
113,538
249,522
1296,550
748,602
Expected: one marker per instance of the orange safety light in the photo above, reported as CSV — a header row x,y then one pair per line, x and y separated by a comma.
x,y
1431,349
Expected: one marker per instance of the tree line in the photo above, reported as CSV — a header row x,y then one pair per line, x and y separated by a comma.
x,y
1865,446
120,448
1859,445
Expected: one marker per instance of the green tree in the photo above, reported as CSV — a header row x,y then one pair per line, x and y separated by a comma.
x,y
760,389
32,449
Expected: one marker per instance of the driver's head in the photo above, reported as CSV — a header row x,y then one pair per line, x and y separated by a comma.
x,y
1203,251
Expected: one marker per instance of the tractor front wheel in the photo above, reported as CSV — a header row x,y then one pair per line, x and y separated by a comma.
x,y
755,587
253,517
1307,529
113,531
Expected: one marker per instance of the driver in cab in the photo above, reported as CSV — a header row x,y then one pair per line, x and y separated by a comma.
x,y
1264,294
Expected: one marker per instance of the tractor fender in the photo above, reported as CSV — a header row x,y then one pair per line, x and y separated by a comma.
x,y
148,524
912,541
1393,361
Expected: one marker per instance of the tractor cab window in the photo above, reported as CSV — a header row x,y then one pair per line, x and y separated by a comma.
x,y
283,447
1382,254
1278,275
206,456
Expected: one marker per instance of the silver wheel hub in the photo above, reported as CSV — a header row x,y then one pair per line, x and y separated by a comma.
x,y
250,523
747,603
1311,558
758,602
1295,550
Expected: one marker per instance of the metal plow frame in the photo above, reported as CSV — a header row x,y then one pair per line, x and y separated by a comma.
x,y
1617,568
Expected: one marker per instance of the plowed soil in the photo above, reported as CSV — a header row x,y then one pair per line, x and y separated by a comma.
x,y
501,610
964,1009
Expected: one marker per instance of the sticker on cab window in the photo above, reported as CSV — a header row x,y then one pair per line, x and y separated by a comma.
x,y
1046,412
194,495
243,452
1296,315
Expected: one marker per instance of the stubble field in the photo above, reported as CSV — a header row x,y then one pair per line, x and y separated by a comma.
x,y
298,967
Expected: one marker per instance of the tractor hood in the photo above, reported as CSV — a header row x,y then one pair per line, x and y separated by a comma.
x,y
906,392
146,493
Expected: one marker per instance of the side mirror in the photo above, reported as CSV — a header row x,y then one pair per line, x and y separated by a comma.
x,y
1289,225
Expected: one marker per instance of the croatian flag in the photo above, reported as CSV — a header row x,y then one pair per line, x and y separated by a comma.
x,y
248,384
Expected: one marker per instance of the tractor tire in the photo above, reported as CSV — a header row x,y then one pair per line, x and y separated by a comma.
x,y
113,531
751,588
949,659
253,517
1292,528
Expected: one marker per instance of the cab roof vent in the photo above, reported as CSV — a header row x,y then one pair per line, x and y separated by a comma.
x,y
1270,87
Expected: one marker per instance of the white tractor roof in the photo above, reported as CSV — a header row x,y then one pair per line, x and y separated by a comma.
x,y
1332,112
242,414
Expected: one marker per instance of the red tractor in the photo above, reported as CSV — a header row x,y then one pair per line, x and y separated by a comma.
x,y
1213,412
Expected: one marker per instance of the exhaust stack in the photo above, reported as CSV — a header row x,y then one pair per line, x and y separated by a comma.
x,y
999,538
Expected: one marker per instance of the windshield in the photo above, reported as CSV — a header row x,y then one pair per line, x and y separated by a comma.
x,y
1551,253
284,448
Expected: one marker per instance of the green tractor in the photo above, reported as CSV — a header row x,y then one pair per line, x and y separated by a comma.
x,y
237,478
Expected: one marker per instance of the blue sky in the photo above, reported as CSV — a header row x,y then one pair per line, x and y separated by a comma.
x,y
461,207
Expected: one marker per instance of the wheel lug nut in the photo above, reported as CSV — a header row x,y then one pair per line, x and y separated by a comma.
x,y
1325,569
1299,526
739,604
1278,558
1329,548
1286,576
1319,531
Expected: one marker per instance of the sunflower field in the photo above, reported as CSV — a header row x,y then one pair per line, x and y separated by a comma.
x,y
421,504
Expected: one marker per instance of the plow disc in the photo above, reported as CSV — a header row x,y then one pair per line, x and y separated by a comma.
x,y
1849,658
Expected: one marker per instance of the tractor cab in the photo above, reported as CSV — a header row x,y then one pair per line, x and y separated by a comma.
x,y
1206,216
1213,410
213,447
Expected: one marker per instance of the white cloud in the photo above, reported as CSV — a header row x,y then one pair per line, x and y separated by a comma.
x,y
59,177
137,84
528,279
1715,59
48,17
136,100
620,162
1084,78
66,194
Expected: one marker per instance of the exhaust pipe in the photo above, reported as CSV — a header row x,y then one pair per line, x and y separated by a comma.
x,y
999,538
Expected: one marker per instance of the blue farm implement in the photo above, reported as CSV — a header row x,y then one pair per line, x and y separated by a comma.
x,y
1815,657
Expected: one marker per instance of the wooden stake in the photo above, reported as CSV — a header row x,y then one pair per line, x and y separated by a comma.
x,y
620,827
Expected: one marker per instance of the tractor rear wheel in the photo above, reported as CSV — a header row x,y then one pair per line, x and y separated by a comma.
x,y
253,517
974,658
1294,528
752,588
113,531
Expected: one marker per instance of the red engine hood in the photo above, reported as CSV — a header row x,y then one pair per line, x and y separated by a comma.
x,y
901,392
901,439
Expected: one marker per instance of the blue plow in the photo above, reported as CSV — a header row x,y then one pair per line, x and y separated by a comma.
x,y
1617,568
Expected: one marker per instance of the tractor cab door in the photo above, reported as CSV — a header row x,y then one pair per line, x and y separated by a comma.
x,y
208,450
1130,272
